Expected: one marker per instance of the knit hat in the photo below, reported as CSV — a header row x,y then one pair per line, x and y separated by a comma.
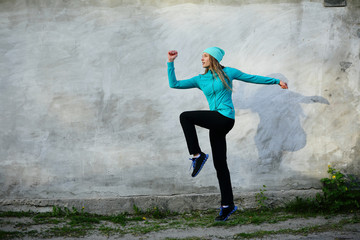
x,y
215,52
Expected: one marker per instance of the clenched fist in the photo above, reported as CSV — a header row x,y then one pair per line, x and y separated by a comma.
x,y
172,55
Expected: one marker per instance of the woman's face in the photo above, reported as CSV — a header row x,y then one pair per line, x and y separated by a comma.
x,y
205,60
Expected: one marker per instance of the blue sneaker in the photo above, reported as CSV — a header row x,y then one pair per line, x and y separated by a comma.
x,y
226,212
198,163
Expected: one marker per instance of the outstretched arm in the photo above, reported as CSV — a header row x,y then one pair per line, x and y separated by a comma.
x,y
239,75
173,83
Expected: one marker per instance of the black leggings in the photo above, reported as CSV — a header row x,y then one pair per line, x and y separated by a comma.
x,y
219,126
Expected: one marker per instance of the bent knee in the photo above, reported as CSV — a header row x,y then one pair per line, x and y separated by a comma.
x,y
183,116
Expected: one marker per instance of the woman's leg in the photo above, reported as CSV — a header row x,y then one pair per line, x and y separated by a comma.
x,y
218,146
188,121
203,118
219,126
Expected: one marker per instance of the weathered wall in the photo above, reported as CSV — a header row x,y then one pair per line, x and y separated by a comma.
x,y
86,110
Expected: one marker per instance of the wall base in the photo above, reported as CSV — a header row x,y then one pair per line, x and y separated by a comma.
x,y
175,203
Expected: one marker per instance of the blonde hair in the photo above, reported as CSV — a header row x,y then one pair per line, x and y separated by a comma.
x,y
217,69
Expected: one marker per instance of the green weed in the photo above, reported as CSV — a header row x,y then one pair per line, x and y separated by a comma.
x,y
107,231
302,231
261,199
340,193
9,235
154,212
16,214
119,219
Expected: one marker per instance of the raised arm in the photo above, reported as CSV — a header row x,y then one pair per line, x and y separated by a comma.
x,y
239,75
173,82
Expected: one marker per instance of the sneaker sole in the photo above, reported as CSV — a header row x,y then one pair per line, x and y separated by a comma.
x,y
235,208
203,163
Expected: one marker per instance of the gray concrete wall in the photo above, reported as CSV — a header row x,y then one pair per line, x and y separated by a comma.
x,y
86,110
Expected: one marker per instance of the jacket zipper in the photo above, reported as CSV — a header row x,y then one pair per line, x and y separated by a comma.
x,y
214,92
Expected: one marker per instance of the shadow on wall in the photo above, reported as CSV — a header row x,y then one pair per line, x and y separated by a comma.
x,y
280,114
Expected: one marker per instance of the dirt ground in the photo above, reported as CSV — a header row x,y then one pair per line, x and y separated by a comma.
x,y
282,229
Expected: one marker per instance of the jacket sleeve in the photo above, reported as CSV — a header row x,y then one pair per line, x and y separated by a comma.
x,y
239,75
183,84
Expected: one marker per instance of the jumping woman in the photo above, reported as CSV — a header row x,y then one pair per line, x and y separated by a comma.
x,y
216,84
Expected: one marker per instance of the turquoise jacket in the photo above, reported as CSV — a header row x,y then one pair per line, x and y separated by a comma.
x,y
218,97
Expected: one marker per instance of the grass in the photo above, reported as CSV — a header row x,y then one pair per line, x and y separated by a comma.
x,y
341,195
300,231
72,223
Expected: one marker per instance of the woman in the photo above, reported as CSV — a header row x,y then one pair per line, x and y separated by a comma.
x,y
216,84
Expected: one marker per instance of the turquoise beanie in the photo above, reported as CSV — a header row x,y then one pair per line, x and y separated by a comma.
x,y
216,52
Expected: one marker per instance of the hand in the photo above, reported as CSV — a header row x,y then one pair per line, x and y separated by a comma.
x,y
172,55
283,85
